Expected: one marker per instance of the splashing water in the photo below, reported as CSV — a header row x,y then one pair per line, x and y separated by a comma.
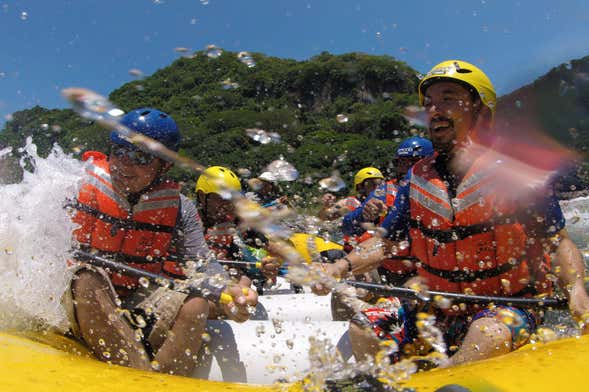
x,y
334,183
416,116
246,59
137,73
212,51
35,237
227,84
263,137
281,170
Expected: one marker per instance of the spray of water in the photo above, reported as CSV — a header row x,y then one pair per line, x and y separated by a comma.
x,y
35,237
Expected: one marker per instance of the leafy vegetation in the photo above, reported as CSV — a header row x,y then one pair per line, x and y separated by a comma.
x,y
214,100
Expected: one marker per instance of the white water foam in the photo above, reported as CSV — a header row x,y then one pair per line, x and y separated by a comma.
x,y
35,237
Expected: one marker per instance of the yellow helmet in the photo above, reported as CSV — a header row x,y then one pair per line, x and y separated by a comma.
x,y
463,72
217,179
365,174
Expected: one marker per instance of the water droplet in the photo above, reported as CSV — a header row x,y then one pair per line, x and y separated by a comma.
x,y
143,281
244,172
289,344
246,59
24,15
155,365
263,137
106,354
136,72
213,51
341,118
227,84
442,302
415,115
101,342
333,183
506,284
206,337
546,335
468,291
281,170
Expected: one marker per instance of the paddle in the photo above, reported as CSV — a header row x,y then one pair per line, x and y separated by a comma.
x,y
137,273
427,295
251,265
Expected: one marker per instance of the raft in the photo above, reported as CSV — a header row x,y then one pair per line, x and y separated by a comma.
x,y
53,363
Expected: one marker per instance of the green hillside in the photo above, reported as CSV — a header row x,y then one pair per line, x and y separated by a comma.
x,y
215,99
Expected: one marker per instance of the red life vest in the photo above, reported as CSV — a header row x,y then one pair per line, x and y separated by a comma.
x,y
398,265
138,235
472,243
221,240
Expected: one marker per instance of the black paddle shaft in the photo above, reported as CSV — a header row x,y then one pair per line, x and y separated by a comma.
x,y
135,272
403,292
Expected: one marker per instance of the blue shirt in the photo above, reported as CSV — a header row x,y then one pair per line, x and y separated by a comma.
x,y
352,223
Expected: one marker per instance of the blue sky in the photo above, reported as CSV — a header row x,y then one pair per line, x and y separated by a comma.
x,y
51,44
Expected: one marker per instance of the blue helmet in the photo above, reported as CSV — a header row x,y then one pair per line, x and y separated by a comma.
x,y
415,147
152,123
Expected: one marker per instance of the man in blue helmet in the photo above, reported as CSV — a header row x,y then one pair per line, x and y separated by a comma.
x,y
395,270
129,212
409,152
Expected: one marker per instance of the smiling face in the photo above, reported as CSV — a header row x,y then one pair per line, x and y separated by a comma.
x,y
451,113
132,175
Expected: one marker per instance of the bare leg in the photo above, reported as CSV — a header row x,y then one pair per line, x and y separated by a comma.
x,y
486,338
184,339
365,344
103,329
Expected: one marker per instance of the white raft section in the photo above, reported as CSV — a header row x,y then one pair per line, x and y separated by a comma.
x,y
264,351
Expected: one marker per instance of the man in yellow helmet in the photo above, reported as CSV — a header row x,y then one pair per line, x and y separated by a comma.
x,y
222,234
469,237
365,181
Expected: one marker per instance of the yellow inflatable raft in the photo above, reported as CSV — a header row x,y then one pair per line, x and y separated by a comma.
x,y
52,363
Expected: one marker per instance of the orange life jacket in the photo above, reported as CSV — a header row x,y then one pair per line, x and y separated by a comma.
x,y
138,235
474,242
221,240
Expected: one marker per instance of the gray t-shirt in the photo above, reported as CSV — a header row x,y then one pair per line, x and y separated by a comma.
x,y
188,242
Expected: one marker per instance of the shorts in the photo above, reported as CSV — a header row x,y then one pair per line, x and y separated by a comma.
x,y
152,309
399,324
